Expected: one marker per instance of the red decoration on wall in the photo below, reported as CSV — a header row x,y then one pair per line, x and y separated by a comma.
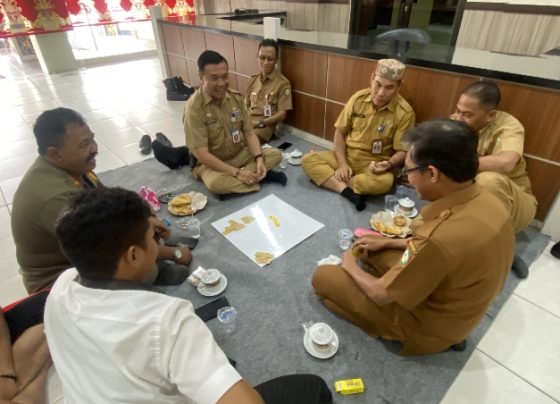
x,y
60,8
126,5
100,6
171,3
27,9
73,7
1,16
149,3
190,3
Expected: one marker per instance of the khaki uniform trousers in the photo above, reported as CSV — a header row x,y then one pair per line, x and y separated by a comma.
x,y
320,166
222,183
521,205
340,294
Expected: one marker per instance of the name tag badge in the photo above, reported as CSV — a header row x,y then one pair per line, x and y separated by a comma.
x,y
235,136
210,121
235,112
267,110
377,145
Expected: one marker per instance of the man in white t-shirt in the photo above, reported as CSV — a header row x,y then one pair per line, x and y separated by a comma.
x,y
114,338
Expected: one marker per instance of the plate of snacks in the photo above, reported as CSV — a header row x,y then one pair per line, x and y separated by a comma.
x,y
391,224
187,203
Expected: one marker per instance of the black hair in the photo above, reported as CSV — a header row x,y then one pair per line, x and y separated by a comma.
x,y
486,92
50,127
209,57
98,228
450,146
269,42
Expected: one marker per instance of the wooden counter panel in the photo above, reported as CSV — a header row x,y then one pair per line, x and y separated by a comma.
x,y
194,78
194,43
172,39
223,44
308,114
233,83
545,184
333,111
242,84
306,70
178,67
346,75
246,51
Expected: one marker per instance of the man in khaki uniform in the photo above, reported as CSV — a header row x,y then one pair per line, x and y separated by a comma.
x,y
502,168
431,290
367,139
269,93
65,164
219,133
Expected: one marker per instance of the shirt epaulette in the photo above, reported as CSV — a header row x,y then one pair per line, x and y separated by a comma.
x,y
428,228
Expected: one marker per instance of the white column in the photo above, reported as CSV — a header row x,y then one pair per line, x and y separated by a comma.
x,y
552,222
155,14
271,27
54,52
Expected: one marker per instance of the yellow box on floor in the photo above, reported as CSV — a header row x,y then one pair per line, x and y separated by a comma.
x,y
350,386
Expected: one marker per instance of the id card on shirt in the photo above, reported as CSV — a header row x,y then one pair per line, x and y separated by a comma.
x,y
267,110
236,136
377,146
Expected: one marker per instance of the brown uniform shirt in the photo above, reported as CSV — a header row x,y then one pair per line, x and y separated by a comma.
x,y
506,133
275,90
453,268
41,196
363,124
209,124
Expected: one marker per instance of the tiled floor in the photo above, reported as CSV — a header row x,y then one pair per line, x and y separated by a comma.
x,y
518,361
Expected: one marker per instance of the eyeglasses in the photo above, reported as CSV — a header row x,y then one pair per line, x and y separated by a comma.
x,y
266,58
406,171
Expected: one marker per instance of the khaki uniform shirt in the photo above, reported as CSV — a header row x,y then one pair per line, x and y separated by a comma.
x,y
41,196
506,133
363,124
454,266
275,91
209,124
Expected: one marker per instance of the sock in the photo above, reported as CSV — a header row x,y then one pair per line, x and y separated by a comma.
x,y
358,200
277,177
172,157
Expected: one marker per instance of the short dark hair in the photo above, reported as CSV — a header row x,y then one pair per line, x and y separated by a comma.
x,y
50,127
210,57
269,42
449,145
99,226
486,92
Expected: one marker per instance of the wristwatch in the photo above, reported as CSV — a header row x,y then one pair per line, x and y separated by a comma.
x,y
261,124
178,254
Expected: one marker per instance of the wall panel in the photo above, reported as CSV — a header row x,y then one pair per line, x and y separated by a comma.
x,y
333,111
545,182
223,44
308,114
347,75
306,70
246,55
193,43
172,39
178,67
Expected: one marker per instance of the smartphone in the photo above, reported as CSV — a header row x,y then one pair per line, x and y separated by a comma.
x,y
210,310
284,146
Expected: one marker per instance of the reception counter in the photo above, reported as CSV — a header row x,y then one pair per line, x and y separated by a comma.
x,y
326,68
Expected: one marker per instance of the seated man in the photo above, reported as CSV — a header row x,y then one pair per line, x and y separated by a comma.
x,y
65,164
502,168
24,354
114,338
269,93
219,133
367,139
431,290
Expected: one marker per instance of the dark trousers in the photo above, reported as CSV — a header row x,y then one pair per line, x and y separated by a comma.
x,y
25,313
295,389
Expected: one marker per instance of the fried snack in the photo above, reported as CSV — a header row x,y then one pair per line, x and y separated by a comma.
x,y
393,230
263,258
181,200
182,210
275,221
399,220
247,219
379,226
232,226
356,250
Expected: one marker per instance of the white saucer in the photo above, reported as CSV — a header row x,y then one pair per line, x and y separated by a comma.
x,y
319,354
219,288
294,162
413,213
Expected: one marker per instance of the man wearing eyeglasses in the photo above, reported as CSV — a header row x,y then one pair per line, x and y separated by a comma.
x,y
269,93
431,290
367,139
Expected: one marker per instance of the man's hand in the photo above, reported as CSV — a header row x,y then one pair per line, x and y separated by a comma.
x,y
8,388
380,167
343,173
247,177
349,261
161,230
371,243
261,169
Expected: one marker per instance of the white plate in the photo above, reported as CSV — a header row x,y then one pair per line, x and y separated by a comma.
x,y
205,291
411,214
386,218
198,202
294,162
320,354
